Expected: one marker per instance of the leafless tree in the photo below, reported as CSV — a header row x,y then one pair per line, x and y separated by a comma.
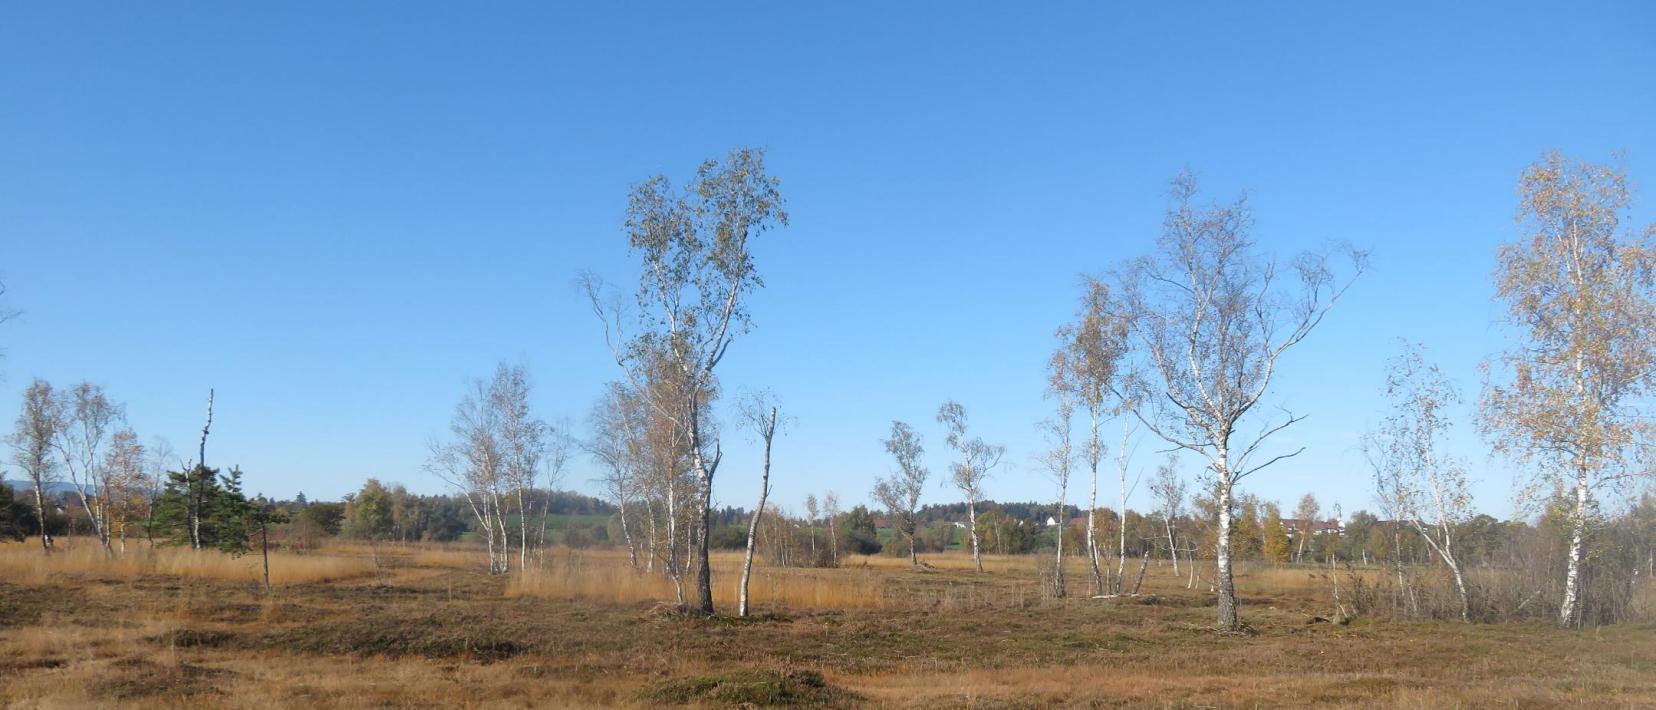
x,y
697,269
758,414
522,443
160,457
899,493
1059,458
472,462
811,513
88,420
553,460
831,509
38,425
1307,512
1123,460
1415,479
1565,401
1210,321
123,483
615,441
198,477
977,459
1169,492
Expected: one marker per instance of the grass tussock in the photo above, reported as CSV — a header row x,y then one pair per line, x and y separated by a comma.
x,y
24,565
750,688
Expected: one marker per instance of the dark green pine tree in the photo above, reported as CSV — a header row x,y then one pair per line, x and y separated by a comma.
x,y
205,510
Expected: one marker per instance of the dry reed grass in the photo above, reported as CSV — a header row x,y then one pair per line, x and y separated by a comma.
x,y
27,565
606,576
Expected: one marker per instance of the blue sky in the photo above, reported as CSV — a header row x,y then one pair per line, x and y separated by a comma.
x,y
337,213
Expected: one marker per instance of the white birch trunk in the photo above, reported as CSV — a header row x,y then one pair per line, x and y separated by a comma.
x,y
1093,455
1569,611
1228,619
753,525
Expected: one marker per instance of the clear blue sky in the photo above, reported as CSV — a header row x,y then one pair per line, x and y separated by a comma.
x,y
336,213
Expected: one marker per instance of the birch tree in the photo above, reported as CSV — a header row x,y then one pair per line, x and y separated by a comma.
x,y
811,513
695,247
1420,484
471,462
1123,458
1169,491
554,458
1059,458
1565,401
124,482
759,416
1096,343
37,427
977,459
522,443
831,510
1307,513
88,420
1210,319
614,441
899,493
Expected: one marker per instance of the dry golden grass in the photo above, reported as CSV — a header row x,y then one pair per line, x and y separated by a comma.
x,y
582,629
606,576
23,564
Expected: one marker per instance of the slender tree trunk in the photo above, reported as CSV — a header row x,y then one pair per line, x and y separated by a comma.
x,y
971,521
1172,550
675,570
546,512
1093,454
914,557
753,525
1460,586
40,515
1443,546
655,545
1058,569
833,540
1121,472
523,532
626,537
1143,565
264,547
199,490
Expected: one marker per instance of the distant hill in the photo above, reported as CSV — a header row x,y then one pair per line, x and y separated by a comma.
x,y
52,489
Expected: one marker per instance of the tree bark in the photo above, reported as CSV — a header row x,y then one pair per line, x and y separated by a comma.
x,y
1172,550
1228,618
40,515
1569,611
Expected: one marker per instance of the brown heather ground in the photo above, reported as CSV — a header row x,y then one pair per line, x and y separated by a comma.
x,y
426,629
